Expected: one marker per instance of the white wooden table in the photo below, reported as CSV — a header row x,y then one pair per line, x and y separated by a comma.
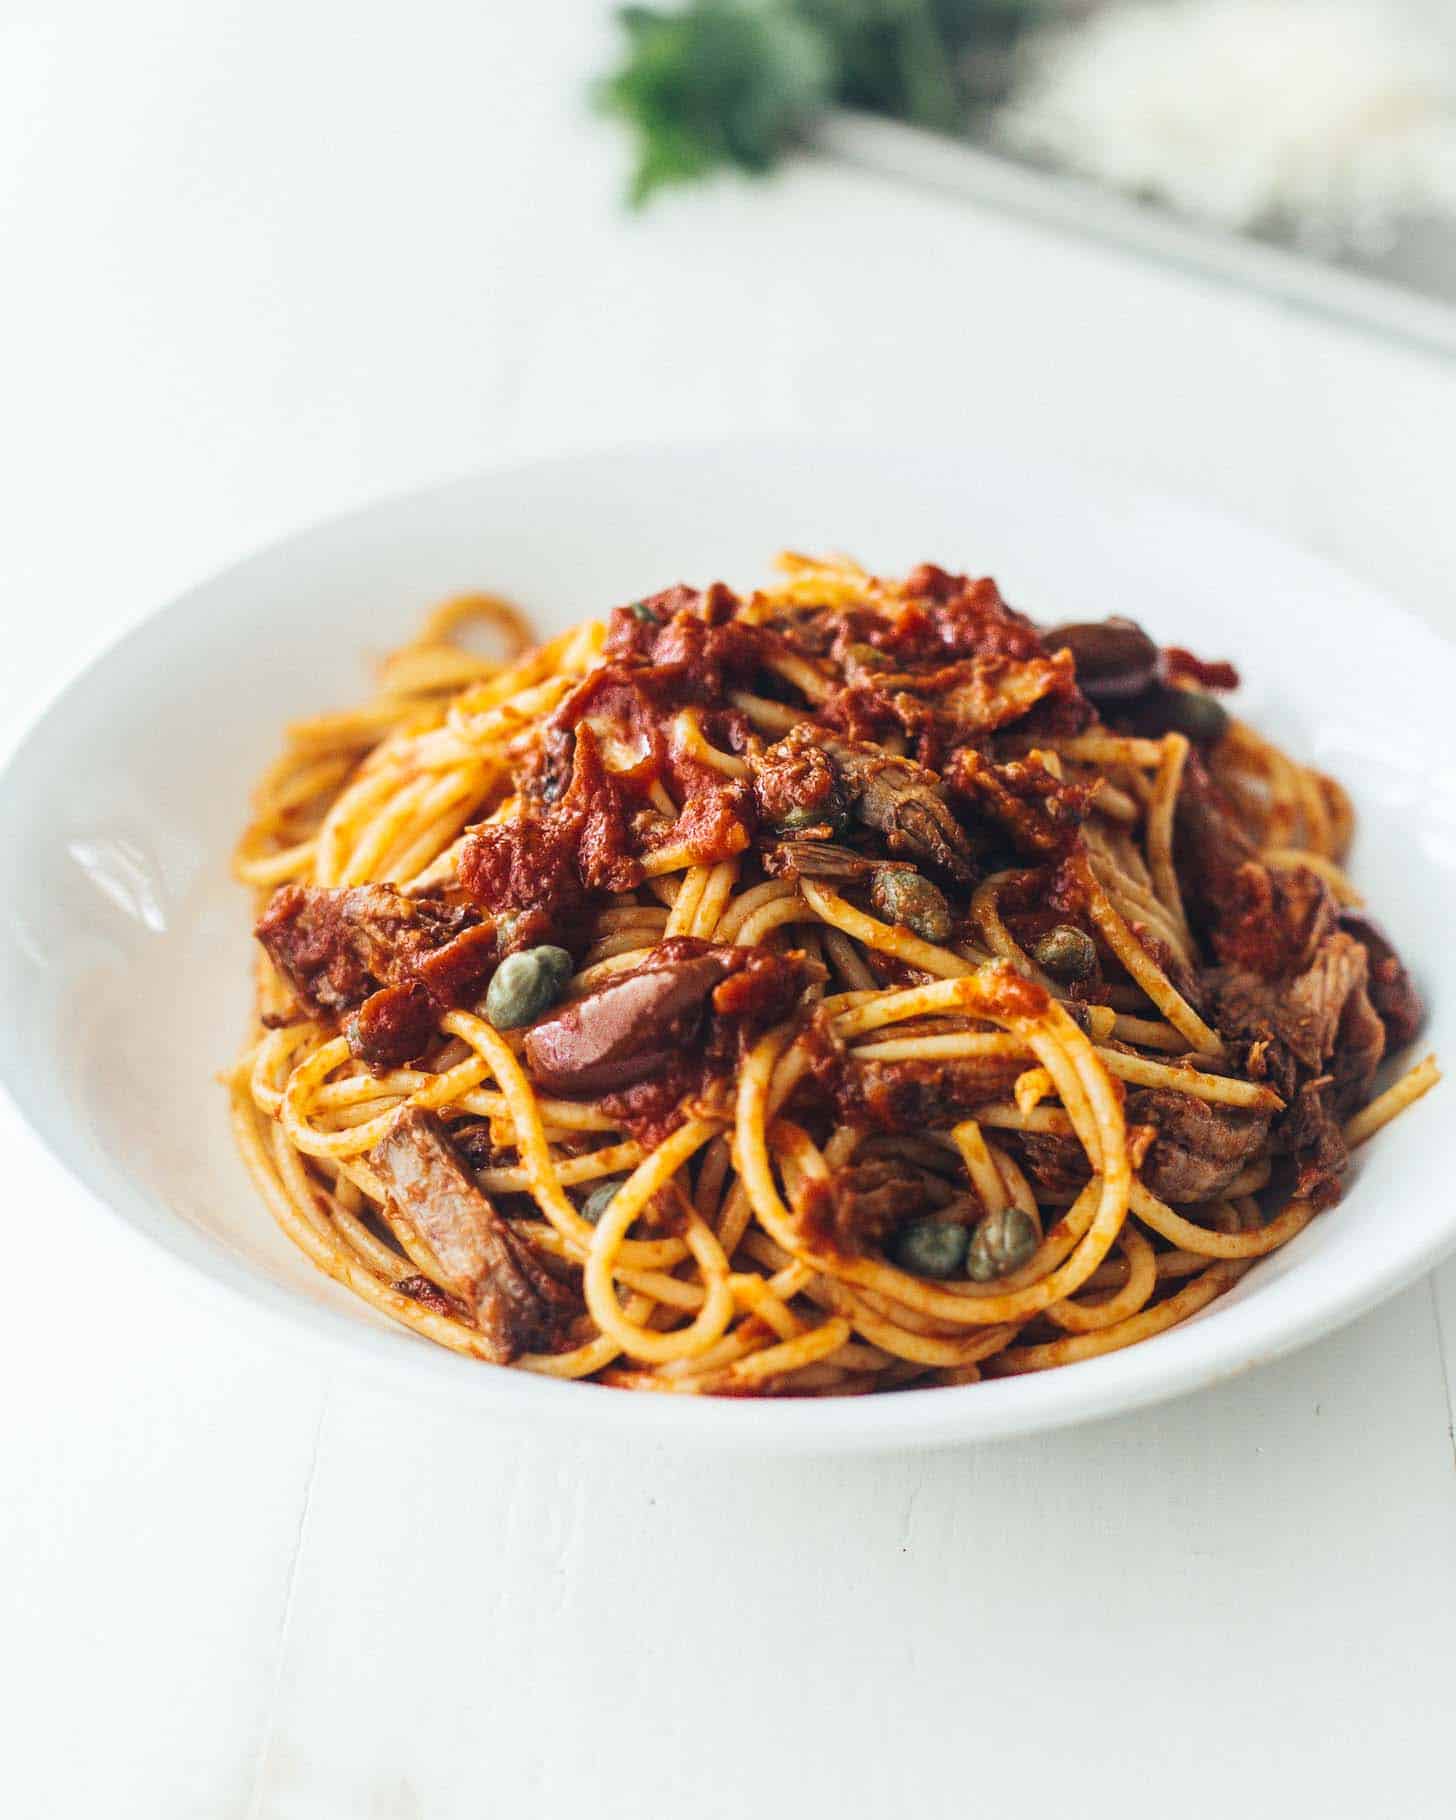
x,y
264,260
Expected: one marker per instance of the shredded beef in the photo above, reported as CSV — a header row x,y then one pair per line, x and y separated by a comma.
x,y
1392,990
1317,1040
397,960
517,1304
1199,1148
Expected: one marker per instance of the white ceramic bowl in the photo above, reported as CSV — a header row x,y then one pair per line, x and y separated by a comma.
x,y
124,946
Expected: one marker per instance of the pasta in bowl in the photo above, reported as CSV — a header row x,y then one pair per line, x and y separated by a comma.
x,y
842,986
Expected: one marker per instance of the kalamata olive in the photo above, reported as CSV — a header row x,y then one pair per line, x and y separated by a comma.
x,y
1066,953
624,1031
1001,1243
525,985
1198,716
600,1198
1115,658
930,1248
900,895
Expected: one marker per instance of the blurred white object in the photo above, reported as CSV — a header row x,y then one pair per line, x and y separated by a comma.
x,y
1334,120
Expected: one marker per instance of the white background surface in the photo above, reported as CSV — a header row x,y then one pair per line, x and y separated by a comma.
x,y
265,260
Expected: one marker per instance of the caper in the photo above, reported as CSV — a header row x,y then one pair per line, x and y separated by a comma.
x,y
600,1198
828,819
1001,1243
901,895
930,1248
525,985
1066,953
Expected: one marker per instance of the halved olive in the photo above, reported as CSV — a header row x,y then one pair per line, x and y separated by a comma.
x,y
1115,658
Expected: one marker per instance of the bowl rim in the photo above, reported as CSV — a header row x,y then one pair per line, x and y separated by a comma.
x,y
1095,1389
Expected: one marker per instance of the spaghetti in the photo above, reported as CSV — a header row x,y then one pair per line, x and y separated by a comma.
x,y
838,988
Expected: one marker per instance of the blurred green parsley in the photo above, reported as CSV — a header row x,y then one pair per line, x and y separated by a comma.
x,y
734,82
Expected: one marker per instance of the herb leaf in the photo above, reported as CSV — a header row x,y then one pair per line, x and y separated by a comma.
x,y
724,82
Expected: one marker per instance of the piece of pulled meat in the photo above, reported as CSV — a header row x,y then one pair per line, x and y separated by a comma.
x,y
545,864
1199,1147
516,1302
395,961
1038,814
1392,990
1317,1040
336,945
903,1096
1190,1150
858,1208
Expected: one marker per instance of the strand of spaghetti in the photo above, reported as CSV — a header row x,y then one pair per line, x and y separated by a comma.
x,y
326,1252
929,958
1140,964
998,995
1287,859
744,905
349,809
984,1176
716,894
688,738
1167,782
496,713
1135,905
271,1061
611,1159
432,810
986,913
309,1074
531,1145
680,922
442,622
1046,1121
1198,1294
768,716
679,855
1384,1107
653,1173
846,961
1116,804
676,1292
1138,1070
769,917
1017,1188
903,1342
273,868
1148,1033
1123,1303
1190,1237
802,673
1107,749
